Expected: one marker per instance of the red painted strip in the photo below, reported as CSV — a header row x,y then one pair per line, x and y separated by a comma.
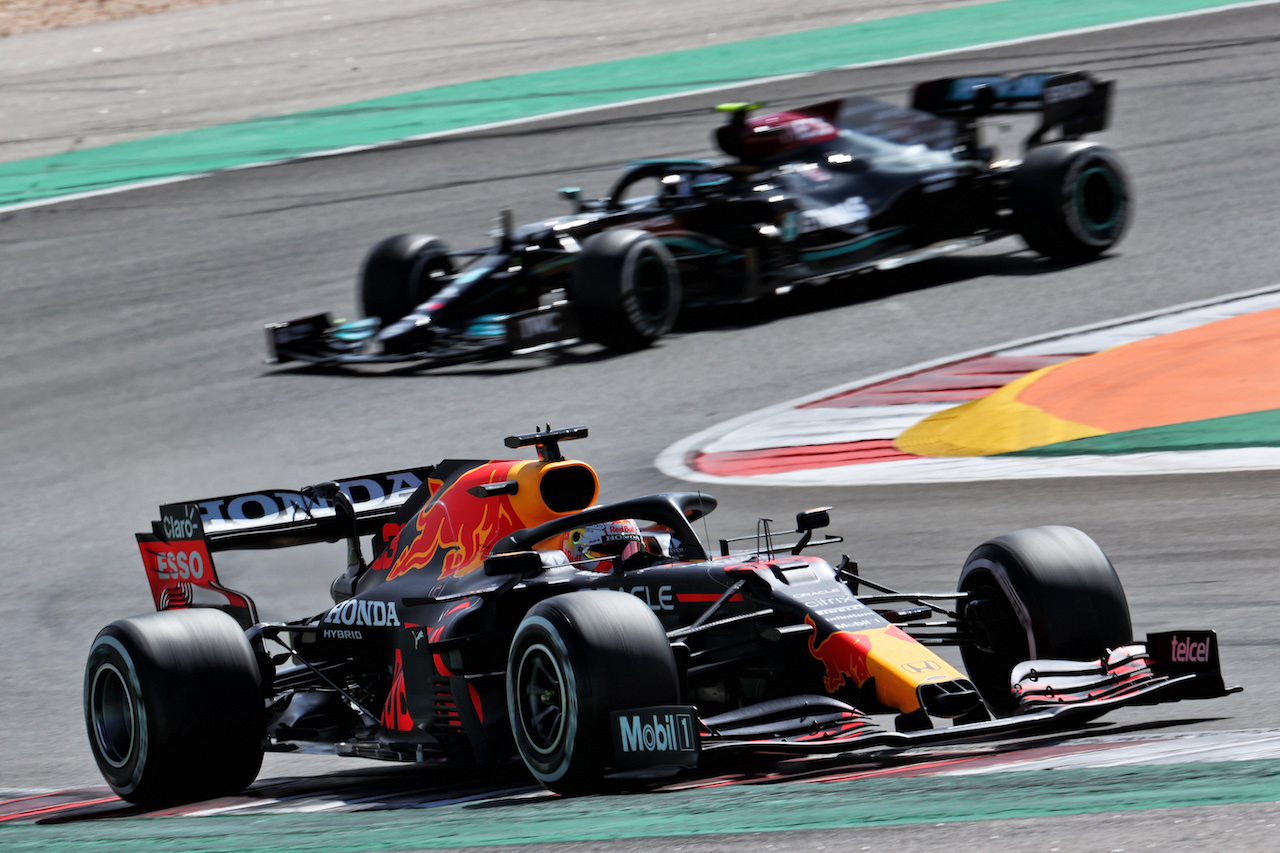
x,y
777,460
697,597
922,769
463,606
31,797
34,813
896,397
959,381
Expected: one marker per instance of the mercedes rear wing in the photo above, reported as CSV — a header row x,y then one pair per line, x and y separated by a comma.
x,y
1075,103
177,552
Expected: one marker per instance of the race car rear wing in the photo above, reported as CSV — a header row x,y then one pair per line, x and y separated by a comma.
x,y
1074,103
177,553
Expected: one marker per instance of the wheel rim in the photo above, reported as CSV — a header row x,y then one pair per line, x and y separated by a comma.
x,y
541,700
115,718
652,287
1000,641
1099,197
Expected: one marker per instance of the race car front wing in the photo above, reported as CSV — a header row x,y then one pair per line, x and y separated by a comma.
x,y
1053,694
319,340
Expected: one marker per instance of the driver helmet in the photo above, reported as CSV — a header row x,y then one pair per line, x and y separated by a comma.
x,y
599,547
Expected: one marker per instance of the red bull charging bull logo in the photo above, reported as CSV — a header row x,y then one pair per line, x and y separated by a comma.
x,y
455,534
844,654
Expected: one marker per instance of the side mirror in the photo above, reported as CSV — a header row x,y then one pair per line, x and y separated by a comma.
x,y
574,195
812,519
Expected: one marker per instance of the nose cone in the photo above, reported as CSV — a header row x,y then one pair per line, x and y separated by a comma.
x,y
949,699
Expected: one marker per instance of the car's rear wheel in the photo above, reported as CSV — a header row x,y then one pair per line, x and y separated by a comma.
x,y
626,288
1071,200
1041,592
574,660
173,705
402,272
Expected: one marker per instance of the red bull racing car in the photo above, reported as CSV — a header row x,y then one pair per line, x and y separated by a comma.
x,y
503,615
809,195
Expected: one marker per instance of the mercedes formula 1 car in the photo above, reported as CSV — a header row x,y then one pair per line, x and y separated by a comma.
x,y
810,195
503,615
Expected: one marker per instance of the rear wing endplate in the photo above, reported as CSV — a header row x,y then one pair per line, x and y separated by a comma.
x,y
177,552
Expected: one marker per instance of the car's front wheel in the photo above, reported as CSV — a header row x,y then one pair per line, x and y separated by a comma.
x,y
173,705
402,272
1040,592
626,288
574,660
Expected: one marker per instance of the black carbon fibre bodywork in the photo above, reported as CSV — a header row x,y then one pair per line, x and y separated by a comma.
x,y
444,642
809,196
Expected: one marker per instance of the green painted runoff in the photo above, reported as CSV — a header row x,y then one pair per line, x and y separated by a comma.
x,y
483,102
1252,429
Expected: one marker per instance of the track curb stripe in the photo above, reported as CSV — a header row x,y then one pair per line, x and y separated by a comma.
x,y
826,423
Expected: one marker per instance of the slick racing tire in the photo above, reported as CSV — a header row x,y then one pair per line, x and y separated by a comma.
x,y
1041,592
402,272
1071,200
626,288
174,707
575,659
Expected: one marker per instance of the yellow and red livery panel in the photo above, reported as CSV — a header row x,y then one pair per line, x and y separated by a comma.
x,y
899,664
475,505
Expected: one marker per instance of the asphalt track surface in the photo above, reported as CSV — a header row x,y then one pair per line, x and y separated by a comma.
x,y
131,339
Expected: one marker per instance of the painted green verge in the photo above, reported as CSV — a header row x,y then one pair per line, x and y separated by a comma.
x,y
1253,429
708,811
511,98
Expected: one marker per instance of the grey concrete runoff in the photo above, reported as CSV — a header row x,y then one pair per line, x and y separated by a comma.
x,y
96,84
